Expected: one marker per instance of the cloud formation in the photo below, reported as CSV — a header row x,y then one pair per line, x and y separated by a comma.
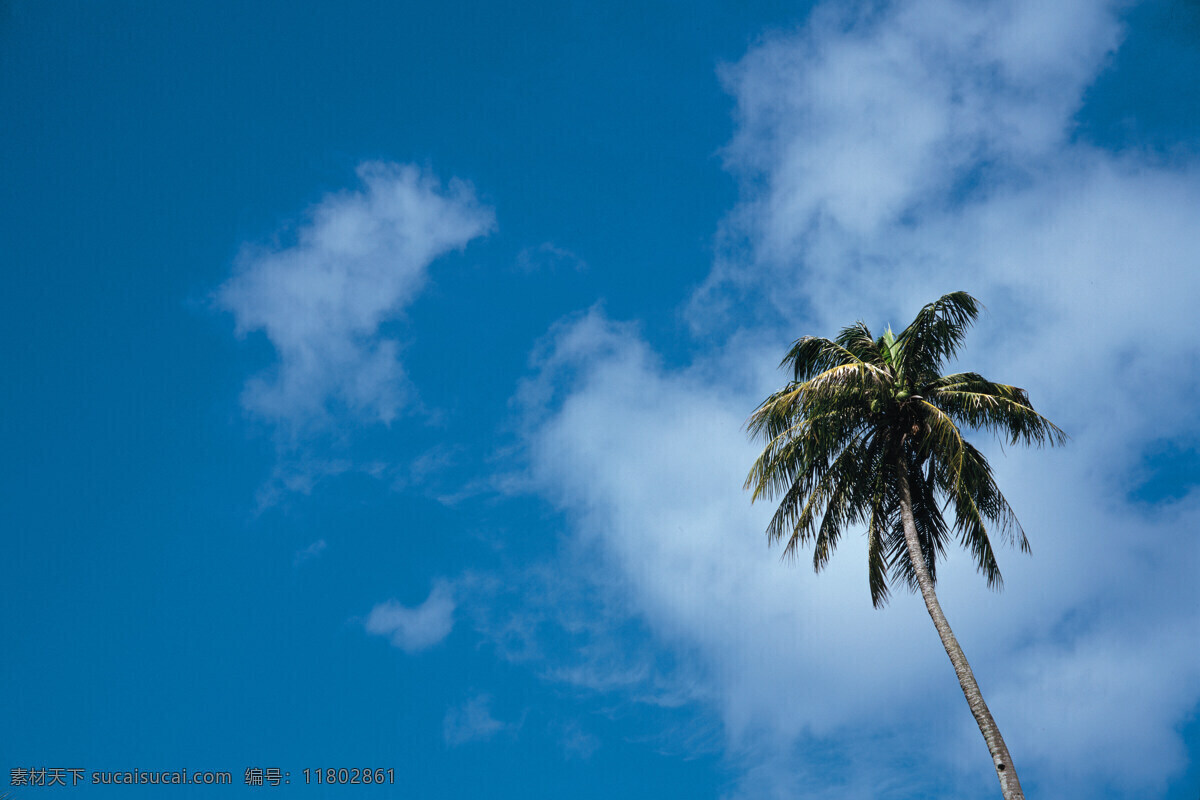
x,y
890,155
877,118
314,550
575,741
471,722
355,263
419,628
549,257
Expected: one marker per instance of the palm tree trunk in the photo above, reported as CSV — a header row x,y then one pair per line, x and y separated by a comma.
x,y
1005,771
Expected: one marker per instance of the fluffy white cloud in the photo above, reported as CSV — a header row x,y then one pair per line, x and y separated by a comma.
x,y
890,156
877,117
419,628
358,259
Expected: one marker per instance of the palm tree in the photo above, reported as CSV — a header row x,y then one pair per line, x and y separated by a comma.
x,y
867,432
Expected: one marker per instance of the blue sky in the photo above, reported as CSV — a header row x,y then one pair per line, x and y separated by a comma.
x,y
375,376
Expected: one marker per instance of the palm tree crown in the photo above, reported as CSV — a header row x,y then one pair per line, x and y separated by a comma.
x,y
862,415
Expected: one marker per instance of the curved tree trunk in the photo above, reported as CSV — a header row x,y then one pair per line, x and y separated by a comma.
x,y
1005,771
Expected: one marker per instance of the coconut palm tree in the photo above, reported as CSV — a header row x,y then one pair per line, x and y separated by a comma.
x,y
867,432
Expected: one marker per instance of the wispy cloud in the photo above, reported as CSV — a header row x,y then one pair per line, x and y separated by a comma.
x,y
549,257
309,553
472,722
890,154
355,262
575,741
419,628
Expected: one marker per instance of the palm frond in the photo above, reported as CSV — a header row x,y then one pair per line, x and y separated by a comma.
x,y
935,334
877,559
804,447
976,481
817,487
944,439
851,500
998,408
812,355
858,341
856,375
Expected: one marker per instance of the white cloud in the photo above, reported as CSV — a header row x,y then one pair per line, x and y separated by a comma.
x,y
471,722
866,122
650,466
356,262
888,158
419,628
